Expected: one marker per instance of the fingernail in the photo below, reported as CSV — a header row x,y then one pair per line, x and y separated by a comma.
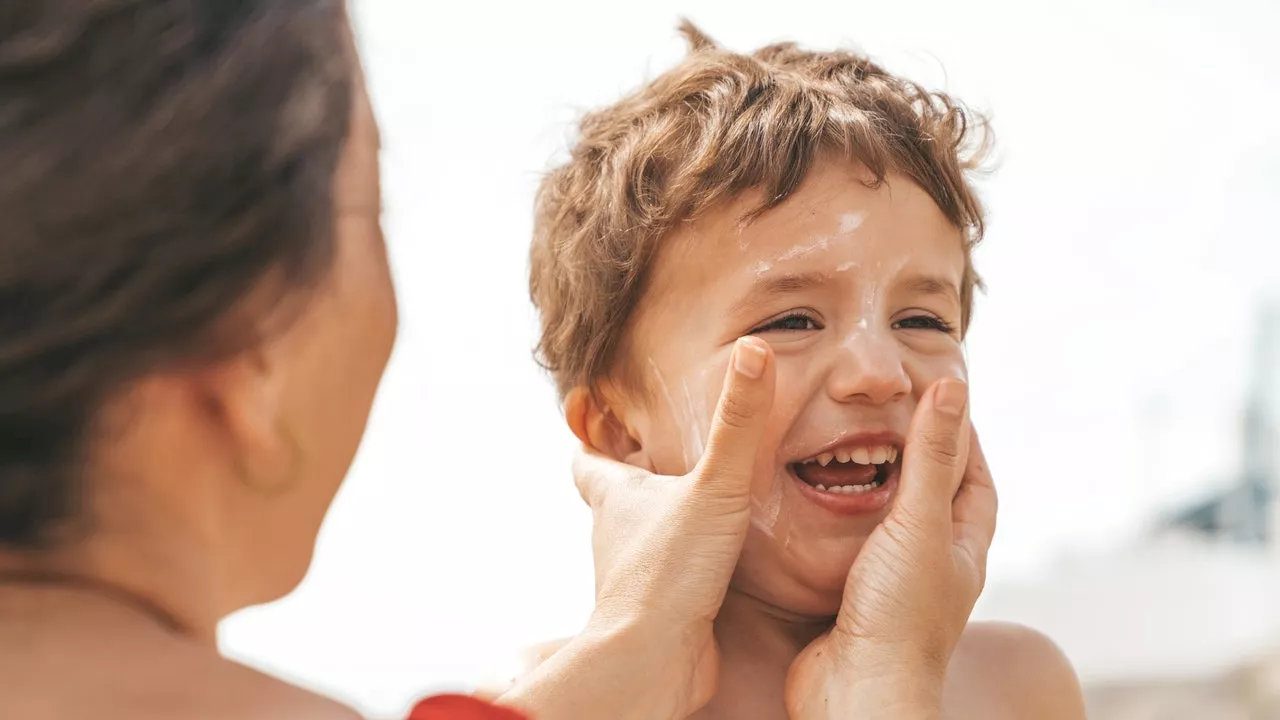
x,y
748,358
952,396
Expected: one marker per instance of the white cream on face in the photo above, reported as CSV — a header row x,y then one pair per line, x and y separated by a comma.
x,y
677,411
849,224
798,251
699,422
851,221
689,412
766,510
680,413
873,303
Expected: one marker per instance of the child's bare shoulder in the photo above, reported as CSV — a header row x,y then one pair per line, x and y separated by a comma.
x,y
1011,670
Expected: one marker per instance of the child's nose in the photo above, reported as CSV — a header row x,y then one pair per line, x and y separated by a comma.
x,y
869,368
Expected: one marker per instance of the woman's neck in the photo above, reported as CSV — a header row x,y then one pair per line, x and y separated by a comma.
x,y
113,578
758,643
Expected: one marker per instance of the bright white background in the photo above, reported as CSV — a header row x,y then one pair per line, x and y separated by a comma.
x,y
1133,234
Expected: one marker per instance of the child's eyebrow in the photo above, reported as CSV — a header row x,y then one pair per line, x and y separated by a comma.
x,y
767,287
932,285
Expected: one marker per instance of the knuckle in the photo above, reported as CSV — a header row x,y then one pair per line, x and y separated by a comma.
x,y
736,410
942,446
905,529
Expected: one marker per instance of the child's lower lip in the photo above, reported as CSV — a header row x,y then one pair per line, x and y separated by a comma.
x,y
864,503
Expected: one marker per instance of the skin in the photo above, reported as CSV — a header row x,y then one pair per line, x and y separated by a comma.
x,y
207,499
867,323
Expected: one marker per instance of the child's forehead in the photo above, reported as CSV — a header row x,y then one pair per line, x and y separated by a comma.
x,y
836,213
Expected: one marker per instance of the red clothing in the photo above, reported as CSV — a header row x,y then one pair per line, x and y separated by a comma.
x,y
459,707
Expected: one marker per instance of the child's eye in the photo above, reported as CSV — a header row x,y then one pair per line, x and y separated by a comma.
x,y
789,323
924,322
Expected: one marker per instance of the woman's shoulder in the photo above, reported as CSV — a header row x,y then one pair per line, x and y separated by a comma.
x,y
1017,668
232,690
107,674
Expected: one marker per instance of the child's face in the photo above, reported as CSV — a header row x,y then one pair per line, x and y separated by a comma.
x,y
857,291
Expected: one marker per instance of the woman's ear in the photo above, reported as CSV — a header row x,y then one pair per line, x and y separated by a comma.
x,y
599,428
242,396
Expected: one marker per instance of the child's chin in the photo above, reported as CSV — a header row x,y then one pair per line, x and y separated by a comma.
x,y
805,601
807,579
826,589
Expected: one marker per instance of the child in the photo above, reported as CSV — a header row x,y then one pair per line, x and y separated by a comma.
x,y
818,202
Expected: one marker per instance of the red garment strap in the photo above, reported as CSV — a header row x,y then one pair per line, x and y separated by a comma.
x,y
460,707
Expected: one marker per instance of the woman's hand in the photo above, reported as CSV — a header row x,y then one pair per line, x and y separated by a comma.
x,y
913,585
665,549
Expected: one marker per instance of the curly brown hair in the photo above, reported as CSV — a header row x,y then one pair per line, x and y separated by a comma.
x,y
715,126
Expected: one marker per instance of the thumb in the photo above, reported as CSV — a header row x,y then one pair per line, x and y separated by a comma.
x,y
729,462
935,453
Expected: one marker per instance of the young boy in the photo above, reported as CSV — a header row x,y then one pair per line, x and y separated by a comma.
x,y
818,202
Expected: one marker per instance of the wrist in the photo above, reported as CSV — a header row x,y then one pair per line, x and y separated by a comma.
x,y
899,696
619,666
669,660
844,690
901,681
892,687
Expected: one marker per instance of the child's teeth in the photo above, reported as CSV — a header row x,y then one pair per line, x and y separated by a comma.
x,y
847,489
863,456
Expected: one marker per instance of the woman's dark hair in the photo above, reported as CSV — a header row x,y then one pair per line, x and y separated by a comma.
x,y
158,160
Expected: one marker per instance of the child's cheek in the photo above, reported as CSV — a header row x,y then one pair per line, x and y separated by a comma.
x,y
925,370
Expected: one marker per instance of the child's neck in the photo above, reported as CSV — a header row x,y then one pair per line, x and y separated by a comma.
x,y
758,642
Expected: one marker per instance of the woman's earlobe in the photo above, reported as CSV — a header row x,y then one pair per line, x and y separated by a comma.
x,y
597,427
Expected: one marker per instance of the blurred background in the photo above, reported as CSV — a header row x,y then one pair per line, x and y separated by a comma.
x,y
1125,361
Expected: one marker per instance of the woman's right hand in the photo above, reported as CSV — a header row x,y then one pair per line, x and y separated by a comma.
x,y
914,583
665,549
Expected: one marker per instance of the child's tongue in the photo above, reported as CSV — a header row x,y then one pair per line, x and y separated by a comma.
x,y
837,473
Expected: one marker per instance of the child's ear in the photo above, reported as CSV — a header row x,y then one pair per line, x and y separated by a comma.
x,y
599,428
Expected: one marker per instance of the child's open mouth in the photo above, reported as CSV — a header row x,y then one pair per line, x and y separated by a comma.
x,y
854,478
850,472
